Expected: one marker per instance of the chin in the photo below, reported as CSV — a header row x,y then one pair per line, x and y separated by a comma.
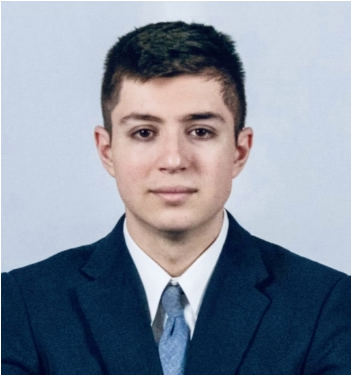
x,y
176,222
173,220
173,226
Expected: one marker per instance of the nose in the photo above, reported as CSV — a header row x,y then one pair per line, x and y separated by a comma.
x,y
174,154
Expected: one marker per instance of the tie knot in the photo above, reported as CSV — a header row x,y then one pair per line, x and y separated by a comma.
x,y
171,301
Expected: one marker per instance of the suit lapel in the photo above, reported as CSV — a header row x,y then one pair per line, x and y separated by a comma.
x,y
231,310
115,311
114,308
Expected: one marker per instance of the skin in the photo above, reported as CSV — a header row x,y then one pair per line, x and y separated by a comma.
x,y
173,156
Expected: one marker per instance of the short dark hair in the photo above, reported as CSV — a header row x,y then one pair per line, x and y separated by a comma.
x,y
168,49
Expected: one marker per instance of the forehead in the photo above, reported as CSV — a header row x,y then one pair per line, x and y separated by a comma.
x,y
171,96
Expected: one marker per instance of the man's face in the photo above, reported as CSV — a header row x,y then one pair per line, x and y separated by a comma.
x,y
173,151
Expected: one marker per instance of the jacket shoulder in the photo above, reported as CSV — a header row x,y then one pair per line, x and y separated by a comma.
x,y
295,271
63,266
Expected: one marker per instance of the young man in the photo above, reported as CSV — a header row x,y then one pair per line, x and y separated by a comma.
x,y
178,286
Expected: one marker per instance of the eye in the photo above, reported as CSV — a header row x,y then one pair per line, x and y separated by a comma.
x,y
202,133
143,133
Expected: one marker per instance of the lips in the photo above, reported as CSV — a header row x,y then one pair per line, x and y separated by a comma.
x,y
174,194
174,190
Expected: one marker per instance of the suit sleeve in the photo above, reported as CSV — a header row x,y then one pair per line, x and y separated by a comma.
x,y
330,351
19,353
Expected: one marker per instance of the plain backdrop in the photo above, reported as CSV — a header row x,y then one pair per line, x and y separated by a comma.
x,y
295,190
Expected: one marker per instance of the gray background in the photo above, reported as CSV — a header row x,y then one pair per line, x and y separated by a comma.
x,y
295,190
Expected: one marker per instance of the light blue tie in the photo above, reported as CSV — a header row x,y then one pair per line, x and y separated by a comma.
x,y
175,336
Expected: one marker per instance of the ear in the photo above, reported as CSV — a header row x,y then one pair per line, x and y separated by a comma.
x,y
242,151
103,145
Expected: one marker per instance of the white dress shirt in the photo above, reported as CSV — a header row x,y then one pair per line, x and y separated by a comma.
x,y
193,281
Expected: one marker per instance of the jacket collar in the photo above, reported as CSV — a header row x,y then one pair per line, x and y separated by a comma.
x,y
232,308
115,308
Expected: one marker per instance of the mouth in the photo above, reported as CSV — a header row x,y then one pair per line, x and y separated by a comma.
x,y
174,194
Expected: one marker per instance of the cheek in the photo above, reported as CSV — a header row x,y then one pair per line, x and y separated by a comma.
x,y
128,184
223,183
130,170
220,164
219,175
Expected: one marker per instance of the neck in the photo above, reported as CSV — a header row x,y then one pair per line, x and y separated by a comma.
x,y
175,251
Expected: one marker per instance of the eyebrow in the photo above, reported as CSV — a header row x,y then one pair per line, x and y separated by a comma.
x,y
187,118
140,117
203,116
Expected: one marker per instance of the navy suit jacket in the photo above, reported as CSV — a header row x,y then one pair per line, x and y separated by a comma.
x,y
266,311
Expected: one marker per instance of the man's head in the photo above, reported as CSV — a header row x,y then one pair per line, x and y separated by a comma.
x,y
172,93
169,49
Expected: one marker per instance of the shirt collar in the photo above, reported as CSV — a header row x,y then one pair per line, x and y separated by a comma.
x,y
193,281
